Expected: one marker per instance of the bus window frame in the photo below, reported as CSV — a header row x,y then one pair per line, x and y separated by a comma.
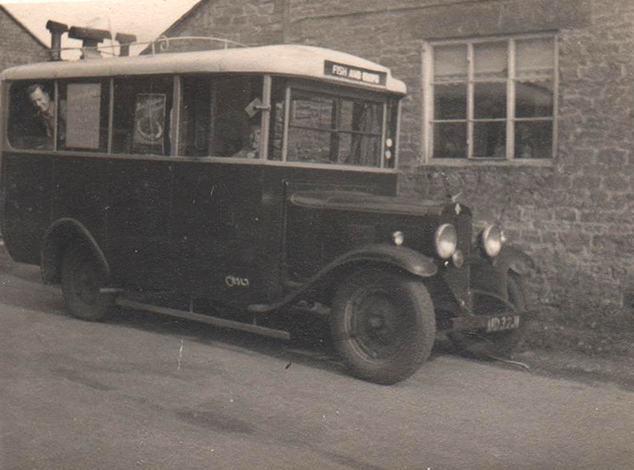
x,y
264,108
6,97
385,99
103,81
328,89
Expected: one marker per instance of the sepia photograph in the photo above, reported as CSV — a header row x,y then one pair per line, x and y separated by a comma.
x,y
314,234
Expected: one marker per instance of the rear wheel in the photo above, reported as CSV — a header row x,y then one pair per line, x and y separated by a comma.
x,y
501,343
82,279
383,325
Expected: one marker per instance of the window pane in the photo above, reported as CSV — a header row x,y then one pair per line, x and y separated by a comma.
x,y
535,57
450,140
32,115
195,129
450,102
276,139
533,139
306,145
534,99
83,117
314,111
490,100
490,61
489,140
450,63
236,117
355,149
361,116
142,115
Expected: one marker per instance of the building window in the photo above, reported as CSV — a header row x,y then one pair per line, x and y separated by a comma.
x,y
491,99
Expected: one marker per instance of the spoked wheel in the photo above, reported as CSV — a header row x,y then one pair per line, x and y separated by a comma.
x,y
383,325
82,280
498,344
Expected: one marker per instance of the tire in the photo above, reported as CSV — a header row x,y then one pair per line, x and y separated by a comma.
x,y
382,325
498,344
82,279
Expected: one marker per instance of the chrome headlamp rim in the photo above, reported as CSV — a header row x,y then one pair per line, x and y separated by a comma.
x,y
446,241
492,240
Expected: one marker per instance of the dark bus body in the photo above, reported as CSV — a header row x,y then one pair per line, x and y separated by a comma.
x,y
152,192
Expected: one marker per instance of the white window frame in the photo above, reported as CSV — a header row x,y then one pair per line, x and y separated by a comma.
x,y
428,100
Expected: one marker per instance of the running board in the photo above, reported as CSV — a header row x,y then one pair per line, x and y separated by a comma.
x,y
220,322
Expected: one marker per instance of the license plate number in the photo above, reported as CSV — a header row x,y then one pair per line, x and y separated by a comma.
x,y
507,322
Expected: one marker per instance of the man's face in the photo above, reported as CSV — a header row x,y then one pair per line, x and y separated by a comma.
x,y
40,100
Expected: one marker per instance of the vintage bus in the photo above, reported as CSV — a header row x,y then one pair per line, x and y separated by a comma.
x,y
246,188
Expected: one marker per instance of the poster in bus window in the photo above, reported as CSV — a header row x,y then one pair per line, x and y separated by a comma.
x,y
149,123
83,115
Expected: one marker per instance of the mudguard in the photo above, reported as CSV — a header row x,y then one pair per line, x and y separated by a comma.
x,y
392,257
490,276
56,238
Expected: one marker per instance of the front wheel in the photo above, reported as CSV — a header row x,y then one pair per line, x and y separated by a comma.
x,y
383,325
82,280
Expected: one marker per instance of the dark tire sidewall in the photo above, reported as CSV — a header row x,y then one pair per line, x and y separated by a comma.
x,y
75,258
415,308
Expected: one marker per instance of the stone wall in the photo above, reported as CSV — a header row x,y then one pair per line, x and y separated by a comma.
x,y
253,22
17,46
574,215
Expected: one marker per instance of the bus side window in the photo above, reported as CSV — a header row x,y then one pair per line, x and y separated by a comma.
x,y
238,119
142,115
195,127
83,117
32,115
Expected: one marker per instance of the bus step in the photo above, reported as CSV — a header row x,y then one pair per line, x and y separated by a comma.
x,y
215,321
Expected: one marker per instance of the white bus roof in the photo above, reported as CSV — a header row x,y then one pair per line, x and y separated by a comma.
x,y
290,60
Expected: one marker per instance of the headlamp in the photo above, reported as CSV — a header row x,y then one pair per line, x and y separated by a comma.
x,y
446,240
492,240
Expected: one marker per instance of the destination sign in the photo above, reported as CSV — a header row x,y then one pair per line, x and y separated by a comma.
x,y
357,74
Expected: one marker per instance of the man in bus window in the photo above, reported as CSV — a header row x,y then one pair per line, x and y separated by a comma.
x,y
41,99
252,148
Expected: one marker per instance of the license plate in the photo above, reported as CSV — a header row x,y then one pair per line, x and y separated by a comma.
x,y
507,322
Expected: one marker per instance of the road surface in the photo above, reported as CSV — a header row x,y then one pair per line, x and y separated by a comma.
x,y
147,391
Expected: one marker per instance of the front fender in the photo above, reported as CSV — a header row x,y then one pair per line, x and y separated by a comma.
x,y
402,257
490,276
323,282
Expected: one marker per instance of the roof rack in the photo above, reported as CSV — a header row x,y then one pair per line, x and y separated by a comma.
x,y
163,42
159,45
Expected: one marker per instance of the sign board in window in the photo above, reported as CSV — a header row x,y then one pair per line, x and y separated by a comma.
x,y
358,74
149,123
83,115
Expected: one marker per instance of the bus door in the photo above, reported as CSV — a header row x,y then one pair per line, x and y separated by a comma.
x,y
140,182
216,224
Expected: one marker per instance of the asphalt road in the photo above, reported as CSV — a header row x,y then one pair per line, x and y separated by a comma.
x,y
146,391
